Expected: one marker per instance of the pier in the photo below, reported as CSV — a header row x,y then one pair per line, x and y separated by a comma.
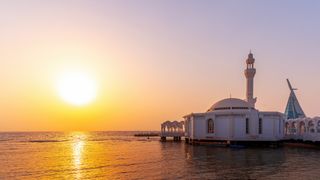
x,y
172,129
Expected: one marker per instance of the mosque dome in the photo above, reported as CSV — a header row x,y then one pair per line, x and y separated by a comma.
x,y
230,103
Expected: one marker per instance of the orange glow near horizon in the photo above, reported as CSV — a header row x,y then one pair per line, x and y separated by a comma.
x,y
146,66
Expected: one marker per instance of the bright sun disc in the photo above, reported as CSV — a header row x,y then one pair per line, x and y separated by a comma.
x,y
77,88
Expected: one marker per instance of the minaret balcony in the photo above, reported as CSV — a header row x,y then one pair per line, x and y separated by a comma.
x,y
250,73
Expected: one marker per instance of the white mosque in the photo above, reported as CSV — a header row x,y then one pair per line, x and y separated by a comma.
x,y
235,120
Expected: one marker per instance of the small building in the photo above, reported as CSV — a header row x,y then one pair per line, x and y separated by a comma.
x,y
233,120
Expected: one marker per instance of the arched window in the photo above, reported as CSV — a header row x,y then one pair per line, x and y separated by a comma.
x,y
311,126
302,128
293,127
210,126
318,127
287,128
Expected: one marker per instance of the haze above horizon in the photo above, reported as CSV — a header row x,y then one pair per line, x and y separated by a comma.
x,y
151,60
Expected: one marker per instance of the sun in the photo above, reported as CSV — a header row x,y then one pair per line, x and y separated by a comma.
x,y
76,88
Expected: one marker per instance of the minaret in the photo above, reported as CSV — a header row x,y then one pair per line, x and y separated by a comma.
x,y
250,72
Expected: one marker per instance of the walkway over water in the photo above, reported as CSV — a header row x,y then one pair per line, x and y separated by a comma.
x,y
173,129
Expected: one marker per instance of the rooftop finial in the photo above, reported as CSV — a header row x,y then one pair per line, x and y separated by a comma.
x,y
250,59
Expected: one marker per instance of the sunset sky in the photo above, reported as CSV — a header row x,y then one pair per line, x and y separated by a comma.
x,y
152,61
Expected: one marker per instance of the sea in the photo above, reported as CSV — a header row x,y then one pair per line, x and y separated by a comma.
x,y
120,155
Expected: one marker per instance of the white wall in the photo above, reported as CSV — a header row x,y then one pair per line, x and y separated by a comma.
x,y
200,127
240,127
272,127
222,126
233,126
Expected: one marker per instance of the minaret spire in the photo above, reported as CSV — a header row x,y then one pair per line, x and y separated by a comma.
x,y
249,72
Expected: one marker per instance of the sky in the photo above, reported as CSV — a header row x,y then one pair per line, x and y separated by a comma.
x,y
152,60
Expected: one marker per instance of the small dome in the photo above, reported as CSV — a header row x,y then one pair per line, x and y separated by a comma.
x,y
230,103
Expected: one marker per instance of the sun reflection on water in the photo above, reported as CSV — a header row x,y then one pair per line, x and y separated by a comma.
x,y
77,152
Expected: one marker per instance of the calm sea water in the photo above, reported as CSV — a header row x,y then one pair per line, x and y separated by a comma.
x,y
120,155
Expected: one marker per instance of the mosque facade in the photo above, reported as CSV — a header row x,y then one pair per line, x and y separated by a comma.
x,y
236,120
